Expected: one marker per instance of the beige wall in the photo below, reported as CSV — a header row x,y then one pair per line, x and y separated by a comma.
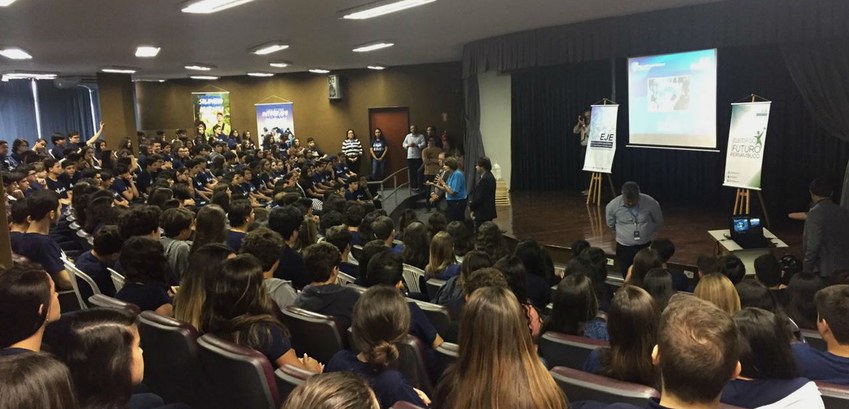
x,y
496,120
428,90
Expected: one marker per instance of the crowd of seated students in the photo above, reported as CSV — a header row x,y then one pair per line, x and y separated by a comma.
x,y
228,268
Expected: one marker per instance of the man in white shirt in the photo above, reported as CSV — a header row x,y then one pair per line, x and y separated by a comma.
x,y
414,142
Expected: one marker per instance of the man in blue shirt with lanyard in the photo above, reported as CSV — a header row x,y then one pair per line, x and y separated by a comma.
x,y
636,218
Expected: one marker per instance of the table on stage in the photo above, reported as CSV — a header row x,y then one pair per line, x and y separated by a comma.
x,y
724,245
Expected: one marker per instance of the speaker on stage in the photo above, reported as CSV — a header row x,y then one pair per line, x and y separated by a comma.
x,y
334,87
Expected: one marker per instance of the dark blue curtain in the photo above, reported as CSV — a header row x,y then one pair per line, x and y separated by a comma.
x,y
65,109
17,113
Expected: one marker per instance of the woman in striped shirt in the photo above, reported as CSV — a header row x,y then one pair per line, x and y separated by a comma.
x,y
353,150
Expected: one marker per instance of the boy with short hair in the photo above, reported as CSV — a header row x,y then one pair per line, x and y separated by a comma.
x,y
324,295
831,366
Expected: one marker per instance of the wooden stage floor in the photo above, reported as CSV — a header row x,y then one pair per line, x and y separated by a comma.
x,y
560,218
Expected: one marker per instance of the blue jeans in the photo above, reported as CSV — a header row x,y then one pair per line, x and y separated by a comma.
x,y
377,167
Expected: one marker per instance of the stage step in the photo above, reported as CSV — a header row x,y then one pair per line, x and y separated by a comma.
x,y
502,194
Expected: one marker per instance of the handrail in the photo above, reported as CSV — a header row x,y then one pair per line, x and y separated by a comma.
x,y
394,177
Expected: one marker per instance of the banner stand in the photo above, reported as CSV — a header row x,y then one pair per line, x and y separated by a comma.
x,y
742,200
594,189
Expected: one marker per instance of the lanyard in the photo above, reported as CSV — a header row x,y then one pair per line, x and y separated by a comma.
x,y
635,211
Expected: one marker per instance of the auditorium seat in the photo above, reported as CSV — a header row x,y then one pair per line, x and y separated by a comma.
x,y
172,369
814,339
75,286
432,286
356,251
314,334
404,405
105,301
357,288
448,352
117,279
345,279
437,315
579,385
288,378
239,376
566,350
412,363
834,396
412,275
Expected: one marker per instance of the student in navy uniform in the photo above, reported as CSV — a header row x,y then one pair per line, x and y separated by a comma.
x,y
381,318
144,265
28,302
54,183
831,366
58,150
340,237
768,273
70,175
665,250
95,262
240,216
36,244
36,381
124,184
145,179
323,295
19,221
286,221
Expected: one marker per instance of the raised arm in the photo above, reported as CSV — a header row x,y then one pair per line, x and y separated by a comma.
x,y
96,136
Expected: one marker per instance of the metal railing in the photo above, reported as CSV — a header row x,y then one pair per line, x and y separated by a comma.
x,y
395,185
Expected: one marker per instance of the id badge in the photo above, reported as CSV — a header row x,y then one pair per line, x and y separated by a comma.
x,y
636,235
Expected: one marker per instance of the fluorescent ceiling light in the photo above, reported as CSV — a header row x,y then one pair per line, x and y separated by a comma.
x,y
319,71
211,6
376,67
203,77
379,8
199,67
118,70
148,80
260,74
269,48
6,3
373,46
280,64
14,53
24,75
147,51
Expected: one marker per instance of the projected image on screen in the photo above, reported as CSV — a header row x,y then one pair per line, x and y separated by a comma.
x,y
672,100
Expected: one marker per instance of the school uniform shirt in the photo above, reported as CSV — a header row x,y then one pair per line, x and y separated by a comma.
x,y
358,194
274,345
58,186
15,237
234,240
120,186
15,351
420,326
378,146
332,299
821,366
97,270
41,249
452,270
798,393
147,296
292,268
389,385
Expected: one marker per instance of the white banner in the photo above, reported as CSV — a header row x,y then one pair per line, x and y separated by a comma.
x,y
601,146
746,141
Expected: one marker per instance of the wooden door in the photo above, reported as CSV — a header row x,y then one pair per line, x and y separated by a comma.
x,y
395,124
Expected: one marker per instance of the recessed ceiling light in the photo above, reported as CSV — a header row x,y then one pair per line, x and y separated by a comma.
x,y
373,46
379,8
199,67
203,77
147,51
118,70
319,71
269,48
6,3
280,64
15,53
28,75
260,74
211,6
376,67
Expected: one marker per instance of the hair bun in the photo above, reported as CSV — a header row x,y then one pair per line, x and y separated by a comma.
x,y
383,353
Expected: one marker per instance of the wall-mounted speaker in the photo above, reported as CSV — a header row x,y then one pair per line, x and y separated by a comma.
x,y
334,87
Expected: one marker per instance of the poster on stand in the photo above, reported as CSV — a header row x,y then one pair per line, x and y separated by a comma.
x,y
275,119
212,108
746,141
601,147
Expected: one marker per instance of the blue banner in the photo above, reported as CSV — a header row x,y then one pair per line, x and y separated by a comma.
x,y
277,115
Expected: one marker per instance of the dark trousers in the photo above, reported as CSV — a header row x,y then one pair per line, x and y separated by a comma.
x,y
413,166
625,256
456,210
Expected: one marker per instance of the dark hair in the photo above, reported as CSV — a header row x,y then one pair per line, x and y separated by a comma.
x,y
143,260
25,300
664,248
382,227
332,390
354,214
264,244
755,295
631,190
484,277
381,318
96,345
515,273
384,268
436,223
462,237
800,305
632,328
706,264
339,236
732,267
833,308
821,187
19,211
578,247
658,283
485,163
239,212
764,340
416,245
141,220
473,261
174,221
574,303
645,260
697,347
490,240
210,226
536,260
41,203
370,249
320,259
107,240
35,381
767,270
285,220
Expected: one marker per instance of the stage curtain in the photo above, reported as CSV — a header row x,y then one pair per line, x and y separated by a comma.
x,y
17,111
546,103
65,109
473,141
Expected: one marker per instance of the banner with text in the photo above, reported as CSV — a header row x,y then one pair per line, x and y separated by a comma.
x,y
212,108
275,115
746,141
601,146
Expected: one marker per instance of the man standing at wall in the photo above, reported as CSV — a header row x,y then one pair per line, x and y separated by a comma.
x,y
636,218
414,142
826,243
